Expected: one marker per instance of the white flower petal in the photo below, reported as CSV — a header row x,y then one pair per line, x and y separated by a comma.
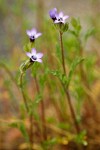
x,y
57,16
33,51
29,54
28,32
56,21
61,14
39,55
33,31
37,35
39,60
65,17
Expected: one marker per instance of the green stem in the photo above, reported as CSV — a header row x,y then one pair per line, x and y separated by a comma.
x,y
31,132
62,51
72,112
27,108
42,112
23,94
67,90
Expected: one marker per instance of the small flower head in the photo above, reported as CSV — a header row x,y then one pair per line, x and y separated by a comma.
x,y
35,56
33,34
61,18
57,17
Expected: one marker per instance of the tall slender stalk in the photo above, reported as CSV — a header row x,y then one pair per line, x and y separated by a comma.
x,y
42,112
27,109
62,51
23,94
72,112
31,135
67,90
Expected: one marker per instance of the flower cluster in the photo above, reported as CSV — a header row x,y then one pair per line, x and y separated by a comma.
x,y
34,56
57,17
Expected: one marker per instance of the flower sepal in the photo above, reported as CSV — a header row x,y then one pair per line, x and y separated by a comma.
x,y
62,27
26,65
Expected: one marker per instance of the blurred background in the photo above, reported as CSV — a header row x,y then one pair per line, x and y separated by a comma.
x,y
16,16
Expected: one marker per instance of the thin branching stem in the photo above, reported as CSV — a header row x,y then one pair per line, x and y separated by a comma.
x,y
62,51
42,112
31,132
23,94
72,112
31,136
67,90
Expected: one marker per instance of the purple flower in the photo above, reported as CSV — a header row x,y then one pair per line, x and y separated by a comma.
x,y
53,14
61,18
33,34
57,17
35,56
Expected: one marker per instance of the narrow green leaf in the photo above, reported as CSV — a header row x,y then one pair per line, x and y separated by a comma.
x,y
76,25
23,130
21,126
89,33
61,76
72,69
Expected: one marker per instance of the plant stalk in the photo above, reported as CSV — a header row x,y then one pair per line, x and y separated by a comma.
x,y
62,51
27,109
72,112
42,112
23,94
31,132
67,90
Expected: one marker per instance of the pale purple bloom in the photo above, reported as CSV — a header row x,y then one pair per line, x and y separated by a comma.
x,y
61,18
57,17
35,56
53,14
33,34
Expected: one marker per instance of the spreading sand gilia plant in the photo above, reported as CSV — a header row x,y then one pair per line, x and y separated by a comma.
x,y
61,24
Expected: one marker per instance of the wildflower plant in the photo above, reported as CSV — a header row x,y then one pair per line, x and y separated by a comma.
x,y
34,57
65,76
59,20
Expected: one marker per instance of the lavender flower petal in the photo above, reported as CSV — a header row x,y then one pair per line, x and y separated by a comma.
x,y
53,13
39,60
33,51
65,17
39,55
28,32
61,15
29,54
37,35
33,31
